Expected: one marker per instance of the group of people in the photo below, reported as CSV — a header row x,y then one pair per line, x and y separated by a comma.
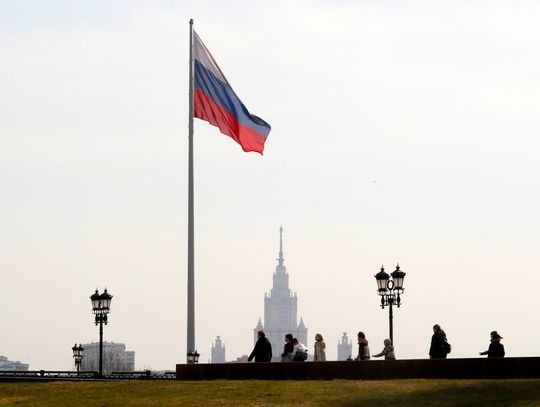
x,y
294,351
363,349
440,347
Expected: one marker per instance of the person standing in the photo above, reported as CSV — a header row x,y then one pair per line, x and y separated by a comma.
x,y
439,344
363,347
319,355
262,352
496,348
288,349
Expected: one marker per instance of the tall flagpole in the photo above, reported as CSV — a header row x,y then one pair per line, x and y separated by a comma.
x,y
191,252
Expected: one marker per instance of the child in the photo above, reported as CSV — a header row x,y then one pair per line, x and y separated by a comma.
x,y
387,352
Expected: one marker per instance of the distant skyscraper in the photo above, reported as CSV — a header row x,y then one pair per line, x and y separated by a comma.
x,y
280,309
344,348
218,351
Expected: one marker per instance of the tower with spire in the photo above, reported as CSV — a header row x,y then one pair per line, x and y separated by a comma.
x,y
344,348
280,309
218,351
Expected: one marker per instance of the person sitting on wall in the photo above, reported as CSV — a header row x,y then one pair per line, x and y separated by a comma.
x,y
300,351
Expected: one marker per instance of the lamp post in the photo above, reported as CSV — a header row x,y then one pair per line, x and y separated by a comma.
x,y
101,306
78,355
193,357
390,287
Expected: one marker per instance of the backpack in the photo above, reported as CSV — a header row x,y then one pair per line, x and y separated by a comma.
x,y
447,348
300,355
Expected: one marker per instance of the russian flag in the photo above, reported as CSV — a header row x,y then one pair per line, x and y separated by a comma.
x,y
216,103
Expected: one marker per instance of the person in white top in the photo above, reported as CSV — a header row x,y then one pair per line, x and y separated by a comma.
x,y
300,351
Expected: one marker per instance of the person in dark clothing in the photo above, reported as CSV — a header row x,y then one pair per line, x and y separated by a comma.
x,y
262,352
288,349
496,348
363,347
439,345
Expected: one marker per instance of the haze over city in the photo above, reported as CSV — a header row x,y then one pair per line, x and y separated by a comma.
x,y
400,133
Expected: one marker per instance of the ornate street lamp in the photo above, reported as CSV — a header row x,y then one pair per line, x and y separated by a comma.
x,y
193,357
390,288
78,355
101,306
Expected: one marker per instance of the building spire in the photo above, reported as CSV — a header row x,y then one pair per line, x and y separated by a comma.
x,y
281,259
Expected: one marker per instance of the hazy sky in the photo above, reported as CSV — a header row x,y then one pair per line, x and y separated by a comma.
x,y
401,132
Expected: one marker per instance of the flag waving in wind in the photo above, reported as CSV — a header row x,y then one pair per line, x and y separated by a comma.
x,y
214,101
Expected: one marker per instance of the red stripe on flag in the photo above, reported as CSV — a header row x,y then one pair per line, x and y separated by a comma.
x,y
205,108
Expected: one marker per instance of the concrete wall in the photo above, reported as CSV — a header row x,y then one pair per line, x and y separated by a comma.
x,y
367,370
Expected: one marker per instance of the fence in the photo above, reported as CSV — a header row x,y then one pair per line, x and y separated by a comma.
x,y
9,375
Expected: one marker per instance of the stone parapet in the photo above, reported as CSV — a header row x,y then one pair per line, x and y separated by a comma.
x,y
473,368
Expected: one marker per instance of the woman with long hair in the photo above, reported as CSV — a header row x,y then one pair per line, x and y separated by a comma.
x,y
319,355
439,345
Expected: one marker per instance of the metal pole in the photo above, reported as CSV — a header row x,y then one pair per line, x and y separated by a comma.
x,y
191,252
100,347
391,317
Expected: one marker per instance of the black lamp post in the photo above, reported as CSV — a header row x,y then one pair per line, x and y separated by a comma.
x,y
101,306
193,357
389,287
78,355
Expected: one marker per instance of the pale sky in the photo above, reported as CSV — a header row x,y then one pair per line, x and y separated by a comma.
x,y
401,132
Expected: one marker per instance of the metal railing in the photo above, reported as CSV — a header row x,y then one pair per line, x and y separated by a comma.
x,y
86,375
143,375
50,374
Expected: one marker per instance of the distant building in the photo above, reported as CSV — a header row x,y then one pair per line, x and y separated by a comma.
x,y
12,366
280,310
344,348
241,359
115,357
218,351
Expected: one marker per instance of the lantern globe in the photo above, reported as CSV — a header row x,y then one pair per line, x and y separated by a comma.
x,y
105,298
398,276
382,278
95,299
190,357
